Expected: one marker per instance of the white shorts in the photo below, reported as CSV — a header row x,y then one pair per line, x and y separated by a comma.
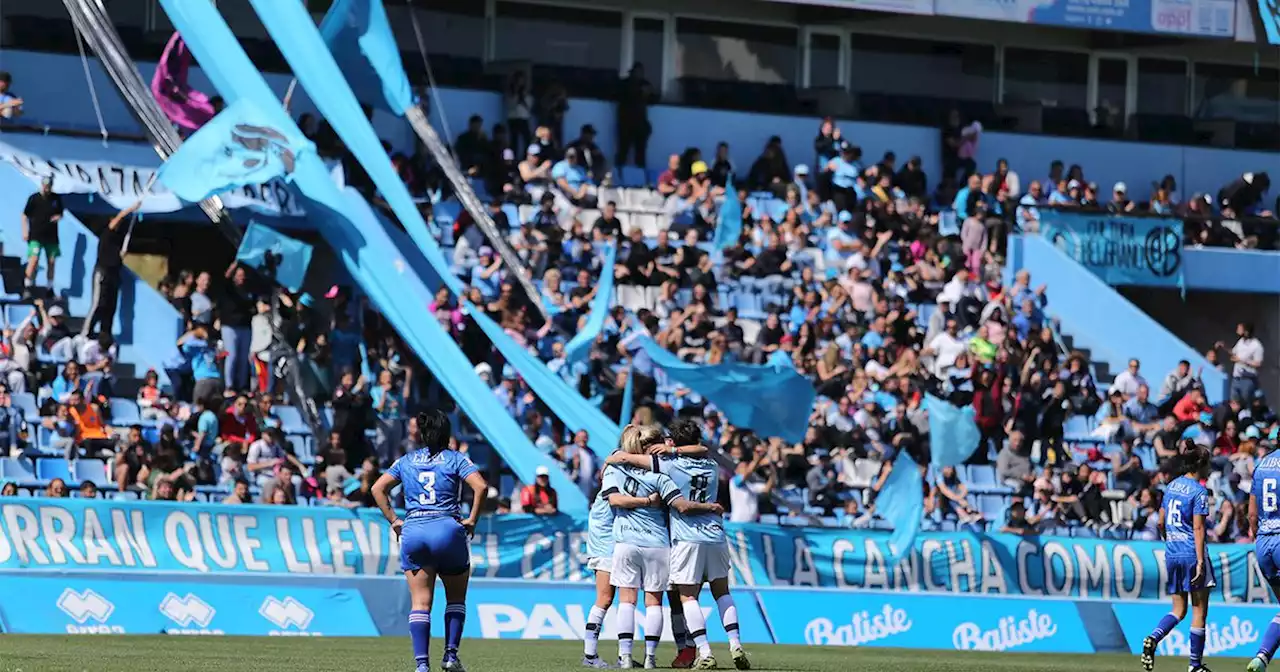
x,y
600,564
692,564
641,568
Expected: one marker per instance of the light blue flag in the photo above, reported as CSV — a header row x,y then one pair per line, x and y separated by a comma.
x,y
624,417
580,344
275,255
729,223
901,502
953,432
563,400
360,239
360,39
239,147
772,400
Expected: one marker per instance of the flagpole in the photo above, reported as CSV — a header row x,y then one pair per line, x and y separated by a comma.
x,y
128,236
288,94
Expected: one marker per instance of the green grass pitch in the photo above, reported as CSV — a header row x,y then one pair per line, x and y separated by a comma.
x,y
135,653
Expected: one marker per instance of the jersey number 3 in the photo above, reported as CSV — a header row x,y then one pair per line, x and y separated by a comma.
x,y
427,479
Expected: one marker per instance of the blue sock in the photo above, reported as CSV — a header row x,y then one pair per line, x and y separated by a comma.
x,y
1197,646
1270,640
1166,625
455,615
420,633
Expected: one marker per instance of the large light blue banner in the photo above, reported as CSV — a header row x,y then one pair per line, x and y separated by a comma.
x,y
1119,250
203,538
925,622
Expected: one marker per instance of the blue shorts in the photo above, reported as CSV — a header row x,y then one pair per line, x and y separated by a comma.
x,y
435,543
1181,570
1267,552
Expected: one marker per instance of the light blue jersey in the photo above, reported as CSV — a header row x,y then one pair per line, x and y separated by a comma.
x,y
600,519
645,527
1184,499
1266,488
699,481
432,483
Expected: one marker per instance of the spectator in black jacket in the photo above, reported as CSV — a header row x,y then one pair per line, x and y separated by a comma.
x,y
771,171
912,180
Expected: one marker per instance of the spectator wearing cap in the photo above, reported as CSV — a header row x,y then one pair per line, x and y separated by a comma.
x,y
535,171
575,183
589,153
486,276
1246,358
1120,202
40,219
841,240
202,358
540,498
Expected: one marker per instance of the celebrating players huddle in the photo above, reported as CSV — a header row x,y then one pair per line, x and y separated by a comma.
x,y
631,549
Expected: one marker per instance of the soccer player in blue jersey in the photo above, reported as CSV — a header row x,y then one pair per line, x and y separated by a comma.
x,y
600,557
699,549
433,537
1264,523
642,544
1182,521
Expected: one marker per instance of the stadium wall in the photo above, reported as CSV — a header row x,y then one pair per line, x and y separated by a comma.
x,y
52,86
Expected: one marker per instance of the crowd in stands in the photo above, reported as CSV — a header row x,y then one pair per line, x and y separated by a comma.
x,y
876,283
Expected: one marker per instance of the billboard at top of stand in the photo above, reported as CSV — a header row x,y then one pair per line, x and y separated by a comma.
x,y
1189,18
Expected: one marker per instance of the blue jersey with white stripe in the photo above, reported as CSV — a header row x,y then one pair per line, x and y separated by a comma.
x,y
1266,487
699,481
432,483
1184,499
600,519
646,526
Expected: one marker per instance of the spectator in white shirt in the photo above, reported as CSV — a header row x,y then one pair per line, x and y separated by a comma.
x,y
945,348
265,455
1246,355
1128,381
744,494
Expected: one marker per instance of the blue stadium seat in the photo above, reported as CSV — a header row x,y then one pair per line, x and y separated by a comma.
x,y
26,402
20,470
513,214
49,468
982,476
124,412
291,420
1077,428
992,507
15,313
91,470
301,447
326,417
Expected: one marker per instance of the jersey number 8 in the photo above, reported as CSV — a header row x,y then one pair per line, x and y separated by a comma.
x,y
698,487
427,479
1269,495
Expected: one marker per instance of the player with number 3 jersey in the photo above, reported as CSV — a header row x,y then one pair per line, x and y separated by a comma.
x,y
1182,521
1264,523
433,537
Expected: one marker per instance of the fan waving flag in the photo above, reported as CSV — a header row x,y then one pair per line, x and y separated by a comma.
x,y
182,104
275,255
729,222
239,147
360,39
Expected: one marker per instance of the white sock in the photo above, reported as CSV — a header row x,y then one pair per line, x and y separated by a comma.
x,y
697,627
729,617
626,627
591,638
653,618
